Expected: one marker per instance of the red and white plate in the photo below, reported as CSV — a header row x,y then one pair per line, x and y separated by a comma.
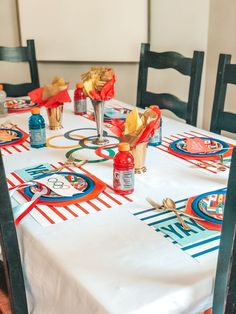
x,y
19,105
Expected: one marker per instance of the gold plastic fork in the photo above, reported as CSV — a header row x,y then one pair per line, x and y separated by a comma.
x,y
68,163
161,207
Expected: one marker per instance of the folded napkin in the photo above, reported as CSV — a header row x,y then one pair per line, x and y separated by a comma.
x,y
138,129
51,96
99,83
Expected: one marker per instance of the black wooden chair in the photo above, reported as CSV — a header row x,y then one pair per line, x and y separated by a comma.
x,y
21,54
220,119
191,67
225,282
10,250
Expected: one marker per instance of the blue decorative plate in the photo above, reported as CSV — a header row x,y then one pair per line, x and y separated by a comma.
x,y
210,206
19,105
18,136
218,147
79,181
111,113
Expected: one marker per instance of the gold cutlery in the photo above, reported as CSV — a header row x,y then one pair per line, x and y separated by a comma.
x,y
68,163
219,166
169,204
166,206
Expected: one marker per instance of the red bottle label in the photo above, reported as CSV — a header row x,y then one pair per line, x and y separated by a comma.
x,y
123,180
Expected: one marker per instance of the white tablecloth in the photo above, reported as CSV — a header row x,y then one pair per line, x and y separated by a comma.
x,y
110,261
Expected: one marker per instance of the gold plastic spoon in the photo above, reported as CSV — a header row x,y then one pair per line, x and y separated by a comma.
x,y
170,204
161,208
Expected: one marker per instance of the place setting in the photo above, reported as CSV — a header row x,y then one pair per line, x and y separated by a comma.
x,y
193,224
207,209
49,191
205,152
19,105
54,193
12,139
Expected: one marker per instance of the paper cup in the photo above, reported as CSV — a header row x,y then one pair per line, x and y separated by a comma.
x,y
55,117
139,154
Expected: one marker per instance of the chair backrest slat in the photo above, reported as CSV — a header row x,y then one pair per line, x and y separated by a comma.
x,y
21,54
169,60
18,90
191,67
14,54
167,101
227,122
229,75
226,74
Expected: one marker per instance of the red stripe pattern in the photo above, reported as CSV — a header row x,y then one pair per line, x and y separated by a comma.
x,y
208,165
47,215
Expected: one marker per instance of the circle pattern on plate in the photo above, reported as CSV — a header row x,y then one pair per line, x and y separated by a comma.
x,y
210,206
218,147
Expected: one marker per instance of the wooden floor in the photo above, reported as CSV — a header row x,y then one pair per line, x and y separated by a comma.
x,y
4,301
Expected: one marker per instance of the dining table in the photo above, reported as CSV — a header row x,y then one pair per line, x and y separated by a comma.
x,y
115,253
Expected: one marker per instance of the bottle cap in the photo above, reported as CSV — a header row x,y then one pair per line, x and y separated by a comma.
x,y
79,85
1,87
35,110
123,147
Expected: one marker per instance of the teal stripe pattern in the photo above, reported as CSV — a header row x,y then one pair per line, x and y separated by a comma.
x,y
199,249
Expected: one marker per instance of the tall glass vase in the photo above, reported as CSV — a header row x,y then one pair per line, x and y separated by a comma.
x,y
98,106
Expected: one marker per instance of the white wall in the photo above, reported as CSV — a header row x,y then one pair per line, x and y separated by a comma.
x,y
126,72
90,30
221,39
182,26
126,84
9,36
8,23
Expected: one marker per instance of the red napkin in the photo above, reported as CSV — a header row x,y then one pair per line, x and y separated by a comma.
x,y
53,102
107,92
116,126
196,145
151,127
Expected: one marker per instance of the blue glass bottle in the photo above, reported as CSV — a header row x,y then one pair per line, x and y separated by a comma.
x,y
37,129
